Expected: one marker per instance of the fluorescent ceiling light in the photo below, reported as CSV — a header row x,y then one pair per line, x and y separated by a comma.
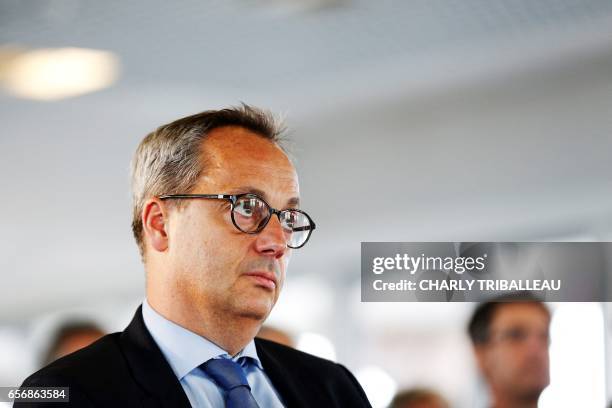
x,y
288,7
58,73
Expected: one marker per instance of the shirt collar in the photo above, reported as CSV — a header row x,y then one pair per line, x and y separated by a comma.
x,y
185,350
250,352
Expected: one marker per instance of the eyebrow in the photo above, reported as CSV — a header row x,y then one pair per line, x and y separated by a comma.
x,y
294,201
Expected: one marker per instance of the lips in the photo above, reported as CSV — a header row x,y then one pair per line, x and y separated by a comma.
x,y
262,278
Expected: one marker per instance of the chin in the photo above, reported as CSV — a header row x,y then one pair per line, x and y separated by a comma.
x,y
254,315
256,310
535,388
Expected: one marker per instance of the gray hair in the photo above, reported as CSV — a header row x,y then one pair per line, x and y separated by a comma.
x,y
168,160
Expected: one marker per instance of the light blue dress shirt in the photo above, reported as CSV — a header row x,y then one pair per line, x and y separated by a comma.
x,y
185,351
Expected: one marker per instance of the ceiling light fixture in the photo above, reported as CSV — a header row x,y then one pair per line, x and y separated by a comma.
x,y
58,73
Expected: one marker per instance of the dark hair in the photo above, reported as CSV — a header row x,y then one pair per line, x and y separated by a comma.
x,y
168,160
416,397
67,330
480,323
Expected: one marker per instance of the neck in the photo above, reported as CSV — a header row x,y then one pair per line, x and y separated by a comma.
x,y
231,333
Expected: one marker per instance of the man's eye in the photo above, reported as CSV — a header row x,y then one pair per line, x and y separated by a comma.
x,y
245,211
290,220
516,335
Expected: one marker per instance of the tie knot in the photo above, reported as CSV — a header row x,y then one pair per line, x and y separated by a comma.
x,y
226,373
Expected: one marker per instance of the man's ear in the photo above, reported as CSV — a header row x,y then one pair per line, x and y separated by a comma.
x,y
155,223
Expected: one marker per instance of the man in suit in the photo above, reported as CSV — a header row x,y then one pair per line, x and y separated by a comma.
x,y
216,216
510,339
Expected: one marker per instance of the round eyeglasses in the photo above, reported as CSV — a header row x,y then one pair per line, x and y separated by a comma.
x,y
251,214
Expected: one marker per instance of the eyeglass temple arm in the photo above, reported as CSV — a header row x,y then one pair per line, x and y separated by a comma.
x,y
216,196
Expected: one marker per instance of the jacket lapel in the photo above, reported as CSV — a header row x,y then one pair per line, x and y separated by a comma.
x,y
291,394
151,370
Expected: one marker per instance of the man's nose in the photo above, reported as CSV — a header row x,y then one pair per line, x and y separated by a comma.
x,y
538,345
271,240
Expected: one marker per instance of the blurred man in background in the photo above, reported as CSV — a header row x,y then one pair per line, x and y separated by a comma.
x,y
510,339
276,335
216,216
70,337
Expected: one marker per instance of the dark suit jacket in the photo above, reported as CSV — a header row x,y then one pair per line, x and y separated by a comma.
x,y
127,369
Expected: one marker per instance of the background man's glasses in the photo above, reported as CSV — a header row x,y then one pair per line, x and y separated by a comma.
x,y
251,214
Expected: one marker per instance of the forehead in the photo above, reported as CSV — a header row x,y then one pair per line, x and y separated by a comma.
x,y
520,314
234,157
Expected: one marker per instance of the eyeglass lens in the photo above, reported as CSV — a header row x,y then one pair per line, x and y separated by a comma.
x,y
251,214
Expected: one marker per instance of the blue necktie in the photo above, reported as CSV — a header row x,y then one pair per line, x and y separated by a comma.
x,y
230,377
